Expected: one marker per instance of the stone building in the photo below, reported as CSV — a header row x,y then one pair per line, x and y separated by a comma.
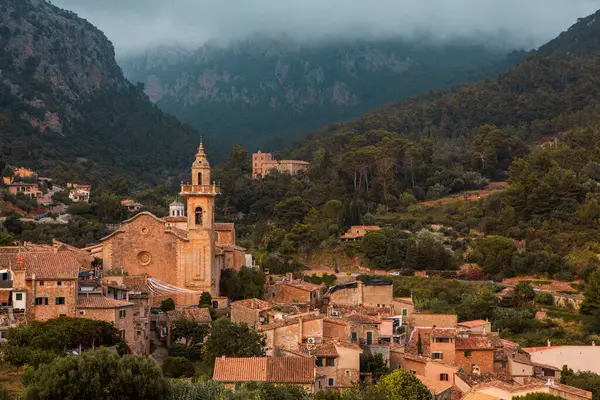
x,y
264,163
28,189
377,294
296,292
117,312
252,312
178,250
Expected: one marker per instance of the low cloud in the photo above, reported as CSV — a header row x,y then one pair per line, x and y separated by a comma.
x,y
133,25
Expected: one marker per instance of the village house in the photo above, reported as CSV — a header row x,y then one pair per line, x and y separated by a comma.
x,y
235,371
117,312
199,315
181,258
477,326
358,231
297,291
252,312
28,189
440,390
79,192
264,163
376,293
500,390
132,206
578,358
364,329
337,363
403,306
475,353
287,335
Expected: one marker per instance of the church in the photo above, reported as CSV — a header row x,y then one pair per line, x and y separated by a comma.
x,y
186,250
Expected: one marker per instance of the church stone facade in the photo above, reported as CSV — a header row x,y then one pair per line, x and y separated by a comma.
x,y
186,251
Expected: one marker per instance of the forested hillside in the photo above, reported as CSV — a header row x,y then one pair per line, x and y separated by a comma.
x,y
268,92
67,110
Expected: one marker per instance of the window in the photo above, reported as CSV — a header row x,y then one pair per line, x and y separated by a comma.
x,y
330,362
60,300
444,377
215,304
58,283
369,337
437,355
412,371
330,382
18,296
41,301
319,362
468,353
41,283
122,314
81,312
348,372
198,215
199,178
404,312
354,336
4,276
122,334
441,340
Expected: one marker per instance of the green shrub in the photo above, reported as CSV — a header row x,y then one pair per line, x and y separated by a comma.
x,y
177,367
544,298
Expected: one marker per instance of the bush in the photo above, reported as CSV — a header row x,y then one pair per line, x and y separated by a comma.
x,y
544,298
177,367
167,304
123,349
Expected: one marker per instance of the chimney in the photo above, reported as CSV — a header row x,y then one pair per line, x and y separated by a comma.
x,y
548,343
222,357
593,343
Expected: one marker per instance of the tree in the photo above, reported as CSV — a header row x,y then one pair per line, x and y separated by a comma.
x,y
177,367
374,364
290,211
419,345
6,239
495,254
403,385
191,332
96,375
524,294
585,380
205,300
167,305
538,396
233,340
591,294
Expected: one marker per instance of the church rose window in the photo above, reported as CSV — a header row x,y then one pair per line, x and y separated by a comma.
x,y
144,258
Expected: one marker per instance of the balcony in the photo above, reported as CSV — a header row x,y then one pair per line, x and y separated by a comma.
x,y
200,189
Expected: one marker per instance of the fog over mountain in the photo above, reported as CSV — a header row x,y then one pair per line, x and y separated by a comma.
x,y
133,25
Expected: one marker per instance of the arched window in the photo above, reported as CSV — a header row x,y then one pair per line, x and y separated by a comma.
x,y
198,216
199,178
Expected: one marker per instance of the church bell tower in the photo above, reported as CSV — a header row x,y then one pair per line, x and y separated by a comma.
x,y
200,198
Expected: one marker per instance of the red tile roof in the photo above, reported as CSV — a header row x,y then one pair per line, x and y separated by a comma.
x,y
473,324
363,319
473,343
48,265
265,369
255,304
326,349
306,286
99,301
435,387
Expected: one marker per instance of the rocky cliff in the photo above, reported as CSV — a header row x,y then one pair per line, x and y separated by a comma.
x,y
65,104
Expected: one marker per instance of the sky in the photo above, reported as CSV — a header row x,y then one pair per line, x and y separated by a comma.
x,y
134,25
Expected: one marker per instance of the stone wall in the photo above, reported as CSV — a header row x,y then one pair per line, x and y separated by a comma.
x,y
484,359
51,290
337,329
377,296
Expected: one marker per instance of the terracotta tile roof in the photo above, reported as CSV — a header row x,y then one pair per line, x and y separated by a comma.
x,y
404,300
136,284
306,286
435,387
223,226
99,301
479,396
200,315
473,324
473,343
290,321
363,319
326,349
178,232
49,265
175,219
426,335
265,369
532,385
255,304
347,345
338,321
